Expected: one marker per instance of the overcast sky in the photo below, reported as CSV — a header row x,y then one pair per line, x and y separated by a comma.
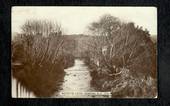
x,y
75,20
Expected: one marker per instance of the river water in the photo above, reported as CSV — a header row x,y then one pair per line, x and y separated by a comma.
x,y
77,83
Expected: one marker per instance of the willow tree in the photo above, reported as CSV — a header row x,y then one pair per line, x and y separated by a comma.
x,y
126,53
39,50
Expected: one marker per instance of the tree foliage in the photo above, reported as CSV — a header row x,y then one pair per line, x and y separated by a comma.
x,y
39,50
118,47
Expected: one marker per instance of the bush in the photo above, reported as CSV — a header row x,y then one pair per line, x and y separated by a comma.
x,y
42,79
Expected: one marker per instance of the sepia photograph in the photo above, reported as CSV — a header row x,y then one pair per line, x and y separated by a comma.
x,y
84,52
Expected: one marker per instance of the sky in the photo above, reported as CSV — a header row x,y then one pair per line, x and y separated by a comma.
x,y
75,19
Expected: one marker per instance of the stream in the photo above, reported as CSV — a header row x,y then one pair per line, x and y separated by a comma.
x,y
77,83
